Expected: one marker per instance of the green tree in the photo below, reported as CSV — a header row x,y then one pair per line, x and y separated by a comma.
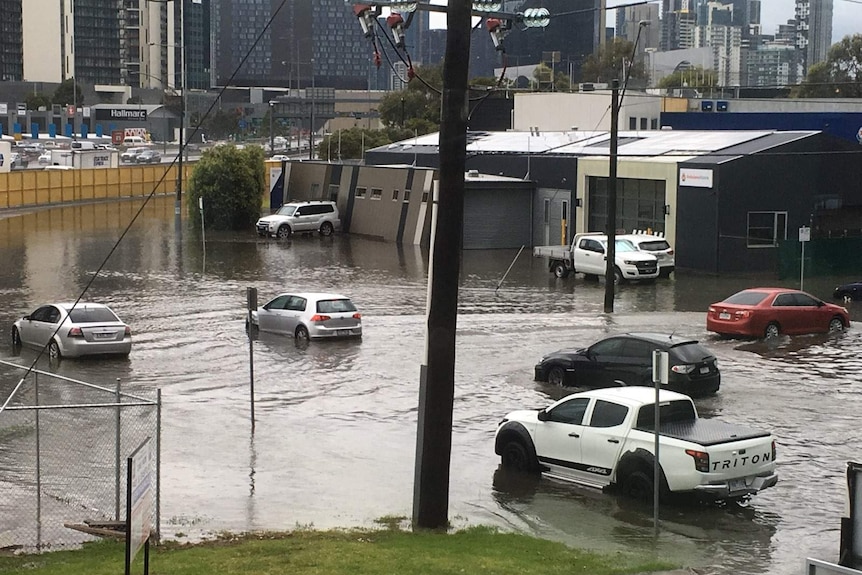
x,y
37,100
693,77
840,76
231,182
356,140
218,125
418,106
542,76
607,64
63,94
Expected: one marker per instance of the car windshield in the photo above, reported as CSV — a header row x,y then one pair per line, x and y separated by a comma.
x,y
668,412
655,246
286,210
746,297
625,246
92,315
335,306
691,352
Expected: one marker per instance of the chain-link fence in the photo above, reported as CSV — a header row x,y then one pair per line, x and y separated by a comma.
x,y
63,450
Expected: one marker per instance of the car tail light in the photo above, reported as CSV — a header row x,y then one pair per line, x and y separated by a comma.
x,y
128,330
773,450
669,252
75,332
357,316
319,317
742,313
711,309
701,459
682,368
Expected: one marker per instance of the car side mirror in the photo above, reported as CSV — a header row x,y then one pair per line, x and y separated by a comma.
x,y
543,415
27,317
820,303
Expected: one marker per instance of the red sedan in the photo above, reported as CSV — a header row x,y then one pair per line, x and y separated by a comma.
x,y
768,312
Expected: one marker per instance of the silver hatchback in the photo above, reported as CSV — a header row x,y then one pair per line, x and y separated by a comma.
x,y
309,316
70,330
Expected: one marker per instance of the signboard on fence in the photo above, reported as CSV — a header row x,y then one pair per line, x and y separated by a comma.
x,y
139,501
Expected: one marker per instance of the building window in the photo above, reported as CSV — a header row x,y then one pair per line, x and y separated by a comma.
x,y
333,192
376,193
406,196
424,197
546,217
633,123
640,204
360,192
766,229
644,123
394,195
653,124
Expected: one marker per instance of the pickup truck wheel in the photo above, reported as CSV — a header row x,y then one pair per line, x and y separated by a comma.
x,y
638,485
836,325
618,276
557,376
514,456
772,330
561,271
283,232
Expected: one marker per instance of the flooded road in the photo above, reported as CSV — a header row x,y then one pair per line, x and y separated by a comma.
x,y
334,442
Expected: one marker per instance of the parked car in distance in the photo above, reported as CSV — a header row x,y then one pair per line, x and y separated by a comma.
x,y
770,311
45,158
148,157
309,316
280,158
86,329
626,359
131,154
655,245
848,291
308,216
17,161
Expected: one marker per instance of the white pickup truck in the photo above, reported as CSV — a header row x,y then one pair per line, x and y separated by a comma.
x,y
586,255
604,438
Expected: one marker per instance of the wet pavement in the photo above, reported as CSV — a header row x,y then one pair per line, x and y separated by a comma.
x,y
334,442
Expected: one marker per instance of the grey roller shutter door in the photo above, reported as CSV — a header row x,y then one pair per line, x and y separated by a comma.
x,y
497,219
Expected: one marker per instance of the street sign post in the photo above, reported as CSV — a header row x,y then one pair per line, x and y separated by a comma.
x,y
804,237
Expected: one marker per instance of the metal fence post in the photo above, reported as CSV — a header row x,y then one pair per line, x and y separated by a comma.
x,y
38,468
158,465
117,456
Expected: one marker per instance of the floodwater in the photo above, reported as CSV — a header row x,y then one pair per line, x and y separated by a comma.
x,y
334,441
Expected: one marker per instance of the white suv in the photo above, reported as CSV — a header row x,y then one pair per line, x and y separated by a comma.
x,y
308,216
655,245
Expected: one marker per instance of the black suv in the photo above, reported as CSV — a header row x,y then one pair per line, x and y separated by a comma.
x,y
627,360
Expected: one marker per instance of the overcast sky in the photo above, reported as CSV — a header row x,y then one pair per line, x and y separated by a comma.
x,y
847,16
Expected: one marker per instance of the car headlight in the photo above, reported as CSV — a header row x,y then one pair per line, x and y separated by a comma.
x,y
630,263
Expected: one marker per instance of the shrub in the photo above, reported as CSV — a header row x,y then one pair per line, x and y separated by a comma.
x,y
231,182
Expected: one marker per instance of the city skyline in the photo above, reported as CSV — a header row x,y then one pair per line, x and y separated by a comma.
x,y
847,16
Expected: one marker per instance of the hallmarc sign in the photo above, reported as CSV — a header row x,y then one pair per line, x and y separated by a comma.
x,y
695,178
122,114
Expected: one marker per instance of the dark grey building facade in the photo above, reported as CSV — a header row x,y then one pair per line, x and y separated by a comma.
x,y
11,41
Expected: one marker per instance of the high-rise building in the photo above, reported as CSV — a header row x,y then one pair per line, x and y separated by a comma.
x,y
678,19
628,25
576,30
813,30
309,42
11,41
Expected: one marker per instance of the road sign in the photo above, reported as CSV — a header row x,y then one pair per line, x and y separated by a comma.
x,y
70,110
804,234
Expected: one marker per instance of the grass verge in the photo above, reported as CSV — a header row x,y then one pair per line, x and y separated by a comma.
x,y
347,552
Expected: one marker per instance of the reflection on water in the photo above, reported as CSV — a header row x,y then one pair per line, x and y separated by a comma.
x,y
338,419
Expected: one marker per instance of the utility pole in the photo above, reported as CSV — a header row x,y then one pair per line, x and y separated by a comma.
x,y
311,117
178,204
437,377
610,251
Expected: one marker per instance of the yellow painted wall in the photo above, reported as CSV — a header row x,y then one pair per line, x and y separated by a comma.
x,y
29,188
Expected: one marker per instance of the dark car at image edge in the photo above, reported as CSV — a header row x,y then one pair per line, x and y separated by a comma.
x,y
626,359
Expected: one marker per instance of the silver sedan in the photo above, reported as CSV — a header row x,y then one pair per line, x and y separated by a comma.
x,y
309,316
70,330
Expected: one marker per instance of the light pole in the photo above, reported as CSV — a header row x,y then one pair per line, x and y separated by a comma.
x,y
272,104
311,123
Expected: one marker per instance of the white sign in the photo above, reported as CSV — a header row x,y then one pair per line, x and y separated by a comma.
x,y
4,109
804,234
140,504
695,178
